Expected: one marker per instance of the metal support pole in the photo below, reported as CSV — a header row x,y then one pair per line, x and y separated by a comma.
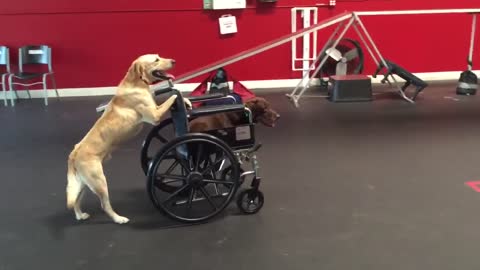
x,y
472,41
296,98
362,38
402,94
306,42
317,58
324,60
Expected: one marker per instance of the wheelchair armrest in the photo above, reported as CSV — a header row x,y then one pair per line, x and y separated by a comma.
x,y
102,106
162,91
206,110
205,97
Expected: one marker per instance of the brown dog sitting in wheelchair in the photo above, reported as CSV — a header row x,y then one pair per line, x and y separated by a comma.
x,y
261,110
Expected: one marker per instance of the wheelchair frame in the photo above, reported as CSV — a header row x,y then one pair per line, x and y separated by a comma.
x,y
236,143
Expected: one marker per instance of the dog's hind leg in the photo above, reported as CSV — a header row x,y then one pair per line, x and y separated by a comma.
x,y
77,207
75,189
96,181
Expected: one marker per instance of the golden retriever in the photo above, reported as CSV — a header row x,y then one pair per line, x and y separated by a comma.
x,y
132,105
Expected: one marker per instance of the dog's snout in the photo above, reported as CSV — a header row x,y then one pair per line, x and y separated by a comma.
x,y
173,61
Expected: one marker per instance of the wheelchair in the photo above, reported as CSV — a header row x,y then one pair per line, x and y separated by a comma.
x,y
193,177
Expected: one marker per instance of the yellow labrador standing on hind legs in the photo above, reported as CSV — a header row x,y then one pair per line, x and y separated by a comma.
x,y
132,105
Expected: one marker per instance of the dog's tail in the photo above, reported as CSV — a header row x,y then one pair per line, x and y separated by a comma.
x,y
73,183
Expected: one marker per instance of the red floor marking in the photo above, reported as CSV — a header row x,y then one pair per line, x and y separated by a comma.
x,y
475,185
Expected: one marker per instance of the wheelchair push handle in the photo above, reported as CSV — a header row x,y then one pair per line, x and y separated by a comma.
x,y
164,90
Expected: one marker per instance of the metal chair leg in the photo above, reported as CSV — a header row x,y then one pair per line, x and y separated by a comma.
x,y
45,92
4,88
54,84
28,92
10,85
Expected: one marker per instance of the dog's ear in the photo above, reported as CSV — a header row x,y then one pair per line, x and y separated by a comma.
x,y
257,103
138,68
135,71
254,104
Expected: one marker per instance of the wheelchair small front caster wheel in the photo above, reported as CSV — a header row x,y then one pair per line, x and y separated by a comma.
x,y
250,201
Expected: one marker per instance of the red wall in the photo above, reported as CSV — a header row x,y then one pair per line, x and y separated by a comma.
x,y
94,41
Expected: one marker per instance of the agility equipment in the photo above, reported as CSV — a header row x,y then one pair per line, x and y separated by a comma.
x,y
347,59
345,19
371,47
468,82
410,79
344,59
308,53
350,88
248,53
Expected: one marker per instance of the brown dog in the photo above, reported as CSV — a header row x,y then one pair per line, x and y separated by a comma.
x,y
261,112
123,118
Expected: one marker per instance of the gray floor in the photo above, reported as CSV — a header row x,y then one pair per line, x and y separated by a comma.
x,y
377,185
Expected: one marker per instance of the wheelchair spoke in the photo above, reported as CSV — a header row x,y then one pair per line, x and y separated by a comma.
x,y
160,138
199,156
173,195
185,165
190,199
172,178
170,169
209,199
212,166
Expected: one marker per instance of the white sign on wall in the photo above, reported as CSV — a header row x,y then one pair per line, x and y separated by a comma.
x,y
229,4
228,24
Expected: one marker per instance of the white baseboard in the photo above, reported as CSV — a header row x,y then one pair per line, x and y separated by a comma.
x,y
254,85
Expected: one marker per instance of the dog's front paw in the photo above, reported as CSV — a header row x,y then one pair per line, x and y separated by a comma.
x,y
82,216
121,220
188,103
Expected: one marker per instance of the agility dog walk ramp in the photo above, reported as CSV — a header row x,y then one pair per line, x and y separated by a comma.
x,y
380,62
345,21
250,52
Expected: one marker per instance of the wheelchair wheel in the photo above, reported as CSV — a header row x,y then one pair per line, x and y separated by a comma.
x,y
191,166
155,140
250,201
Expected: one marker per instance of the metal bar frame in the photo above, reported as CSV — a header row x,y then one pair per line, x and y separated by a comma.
x,y
417,12
472,41
319,55
359,27
353,16
369,38
292,96
355,20
294,29
261,48
248,53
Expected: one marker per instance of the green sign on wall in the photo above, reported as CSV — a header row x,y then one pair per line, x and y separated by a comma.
x,y
207,4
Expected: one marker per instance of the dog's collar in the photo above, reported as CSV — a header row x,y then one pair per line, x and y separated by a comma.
x,y
141,78
254,117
